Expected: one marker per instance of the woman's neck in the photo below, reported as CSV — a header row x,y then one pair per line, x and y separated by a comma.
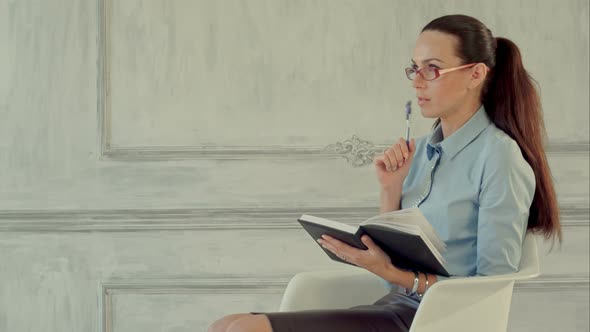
x,y
450,124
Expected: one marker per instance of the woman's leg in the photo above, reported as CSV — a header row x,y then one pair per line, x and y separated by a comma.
x,y
222,324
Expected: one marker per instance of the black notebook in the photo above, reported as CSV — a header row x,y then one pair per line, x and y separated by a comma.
x,y
405,235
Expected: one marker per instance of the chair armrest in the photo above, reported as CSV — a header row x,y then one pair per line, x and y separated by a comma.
x,y
454,304
332,289
480,303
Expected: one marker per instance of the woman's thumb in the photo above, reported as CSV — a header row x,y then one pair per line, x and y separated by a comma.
x,y
367,240
412,145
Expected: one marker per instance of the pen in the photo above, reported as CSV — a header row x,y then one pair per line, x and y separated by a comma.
x,y
408,112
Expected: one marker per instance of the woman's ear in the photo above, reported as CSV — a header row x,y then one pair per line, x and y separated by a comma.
x,y
478,76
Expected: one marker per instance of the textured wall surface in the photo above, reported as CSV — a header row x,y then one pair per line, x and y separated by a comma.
x,y
154,155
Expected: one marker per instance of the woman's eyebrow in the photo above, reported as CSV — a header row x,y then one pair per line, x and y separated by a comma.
x,y
428,60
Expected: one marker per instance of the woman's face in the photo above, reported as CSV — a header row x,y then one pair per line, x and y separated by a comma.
x,y
444,95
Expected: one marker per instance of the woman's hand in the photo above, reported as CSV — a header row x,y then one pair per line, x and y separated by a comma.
x,y
393,165
373,259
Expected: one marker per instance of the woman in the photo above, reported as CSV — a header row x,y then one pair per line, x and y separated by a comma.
x,y
481,178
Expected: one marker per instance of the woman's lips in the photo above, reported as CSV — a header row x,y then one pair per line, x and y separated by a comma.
x,y
422,101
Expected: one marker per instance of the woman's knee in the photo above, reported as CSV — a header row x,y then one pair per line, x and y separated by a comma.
x,y
252,323
222,324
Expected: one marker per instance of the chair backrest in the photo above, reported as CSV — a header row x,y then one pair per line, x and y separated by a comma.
x,y
529,261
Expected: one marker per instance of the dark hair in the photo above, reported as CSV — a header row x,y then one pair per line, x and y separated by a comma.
x,y
512,102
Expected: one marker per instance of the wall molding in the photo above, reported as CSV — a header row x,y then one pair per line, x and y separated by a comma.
x,y
355,150
103,78
355,156
553,283
268,285
130,220
220,285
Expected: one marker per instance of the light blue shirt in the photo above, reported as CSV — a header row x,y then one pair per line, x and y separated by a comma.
x,y
475,188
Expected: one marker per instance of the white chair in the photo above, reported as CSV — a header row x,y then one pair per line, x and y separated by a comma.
x,y
457,304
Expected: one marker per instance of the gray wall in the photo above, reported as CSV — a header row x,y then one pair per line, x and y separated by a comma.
x,y
155,154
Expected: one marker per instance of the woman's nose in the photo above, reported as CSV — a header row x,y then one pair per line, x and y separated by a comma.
x,y
418,82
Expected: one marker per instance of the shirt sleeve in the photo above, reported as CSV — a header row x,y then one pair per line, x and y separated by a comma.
x,y
506,193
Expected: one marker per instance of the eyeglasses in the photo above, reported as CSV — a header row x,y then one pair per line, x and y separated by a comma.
x,y
432,73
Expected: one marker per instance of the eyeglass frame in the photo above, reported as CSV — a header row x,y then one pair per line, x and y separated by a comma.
x,y
437,72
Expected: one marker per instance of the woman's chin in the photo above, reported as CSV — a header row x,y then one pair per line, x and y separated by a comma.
x,y
427,113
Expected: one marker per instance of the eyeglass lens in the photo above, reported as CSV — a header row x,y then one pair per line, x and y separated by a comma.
x,y
428,73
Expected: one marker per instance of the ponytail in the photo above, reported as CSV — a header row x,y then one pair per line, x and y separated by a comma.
x,y
512,101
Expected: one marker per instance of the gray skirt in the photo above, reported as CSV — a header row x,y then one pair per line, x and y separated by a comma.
x,y
393,312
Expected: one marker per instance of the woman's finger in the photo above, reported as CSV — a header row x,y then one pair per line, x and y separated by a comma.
x,y
392,159
333,250
404,148
380,161
368,241
334,242
327,246
399,155
338,247
383,160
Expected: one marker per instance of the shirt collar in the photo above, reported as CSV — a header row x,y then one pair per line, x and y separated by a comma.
x,y
459,139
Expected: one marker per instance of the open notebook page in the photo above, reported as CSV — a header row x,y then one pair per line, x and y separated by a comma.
x,y
330,223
